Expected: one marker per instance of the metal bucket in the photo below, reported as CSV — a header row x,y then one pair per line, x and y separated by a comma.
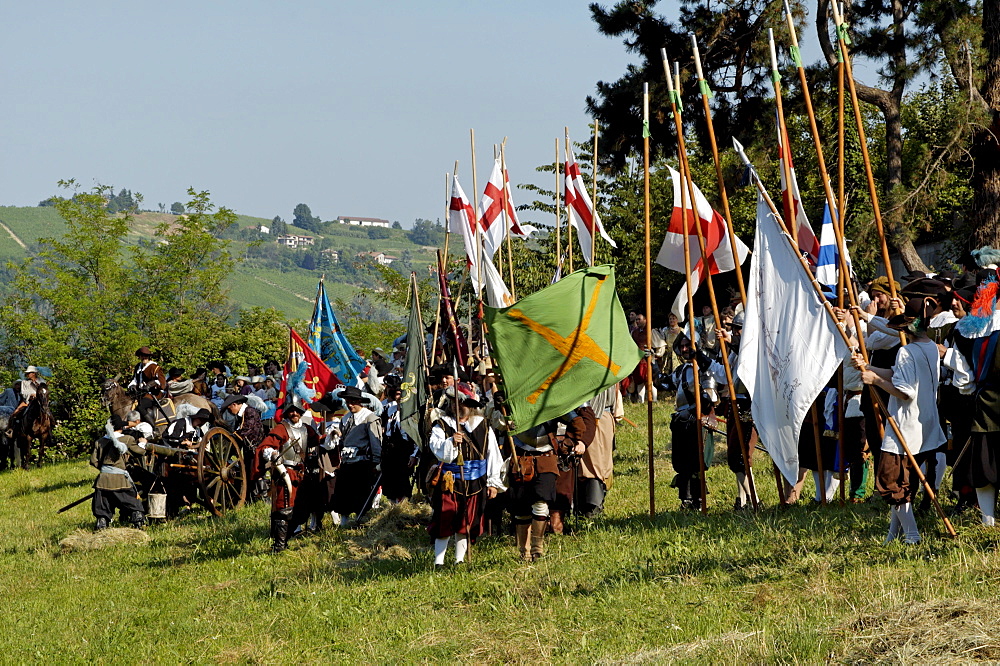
x,y
157,505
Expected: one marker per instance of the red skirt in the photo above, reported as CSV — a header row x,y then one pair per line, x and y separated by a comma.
x,y
456,514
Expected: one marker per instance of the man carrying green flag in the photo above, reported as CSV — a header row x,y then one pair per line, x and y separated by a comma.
x,y
561,346
414,386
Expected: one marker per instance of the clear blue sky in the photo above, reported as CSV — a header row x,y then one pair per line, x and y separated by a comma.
x,y
355,108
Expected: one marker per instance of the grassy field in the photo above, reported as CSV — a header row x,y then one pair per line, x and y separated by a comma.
x,y
806,584
292,293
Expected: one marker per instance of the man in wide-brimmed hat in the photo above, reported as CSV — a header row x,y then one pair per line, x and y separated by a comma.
x,y
291,453
246,420
468,472
148,384
360,447
912,386
113,487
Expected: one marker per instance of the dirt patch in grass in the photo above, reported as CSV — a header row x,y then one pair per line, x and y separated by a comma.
x,y
82,540
938,631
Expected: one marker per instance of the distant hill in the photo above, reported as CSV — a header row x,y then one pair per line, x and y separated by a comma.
x,y
266,275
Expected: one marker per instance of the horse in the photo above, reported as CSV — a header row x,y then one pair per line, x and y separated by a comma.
x,y
120,403
33,424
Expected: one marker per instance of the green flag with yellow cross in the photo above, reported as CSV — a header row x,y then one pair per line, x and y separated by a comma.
x,y
561,346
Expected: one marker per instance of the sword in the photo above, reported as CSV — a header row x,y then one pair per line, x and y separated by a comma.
x,y
72,504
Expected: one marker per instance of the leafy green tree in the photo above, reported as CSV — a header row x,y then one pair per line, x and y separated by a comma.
x,y
397,225
303,218
379,233
278,226
177,208
426,233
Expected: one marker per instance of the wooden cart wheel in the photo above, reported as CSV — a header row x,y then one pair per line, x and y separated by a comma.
x,y
222,471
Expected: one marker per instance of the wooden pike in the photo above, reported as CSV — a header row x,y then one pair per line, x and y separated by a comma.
x,y
847,341
685,171
649,297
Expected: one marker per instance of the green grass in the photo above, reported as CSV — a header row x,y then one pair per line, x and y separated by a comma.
x,y
780,586
292,293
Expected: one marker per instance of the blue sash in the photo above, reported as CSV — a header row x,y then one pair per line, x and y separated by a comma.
x,y
470,469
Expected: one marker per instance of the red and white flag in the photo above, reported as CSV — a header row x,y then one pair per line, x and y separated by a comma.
x,y
462,220
717,245
792,201
580,210
495,202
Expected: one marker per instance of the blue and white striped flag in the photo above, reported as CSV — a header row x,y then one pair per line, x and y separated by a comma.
x,y
828,264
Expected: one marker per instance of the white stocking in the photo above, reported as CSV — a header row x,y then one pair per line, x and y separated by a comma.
x,y
893,526
440,548
987,496
908,523
461,547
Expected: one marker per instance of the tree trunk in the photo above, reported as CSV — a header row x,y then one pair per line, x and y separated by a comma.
x,y
889,102
985,148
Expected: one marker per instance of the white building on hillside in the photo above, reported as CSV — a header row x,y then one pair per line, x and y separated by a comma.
x,y
293,241
363,221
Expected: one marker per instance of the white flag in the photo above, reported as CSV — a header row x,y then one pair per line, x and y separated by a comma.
x,y
790,347
462,220
580,210
497,214
497,293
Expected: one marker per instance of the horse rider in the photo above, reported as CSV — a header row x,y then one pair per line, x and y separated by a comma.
x,y
27,389
148,384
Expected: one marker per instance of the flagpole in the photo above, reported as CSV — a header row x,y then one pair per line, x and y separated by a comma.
x,y
690,308
845,276
569,226
447,227
834,218
705,94
649,296
688,184
847,341
558,216
506,201
593,239
783,142
862,139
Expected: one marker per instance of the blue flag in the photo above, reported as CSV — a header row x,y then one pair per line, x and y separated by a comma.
x,y
828,263
329,342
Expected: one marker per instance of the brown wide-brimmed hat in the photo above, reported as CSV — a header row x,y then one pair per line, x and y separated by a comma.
x,y
144,351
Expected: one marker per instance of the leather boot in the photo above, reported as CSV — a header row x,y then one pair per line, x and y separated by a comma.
x,y
279,531
538,538
521,530
102,524
137,520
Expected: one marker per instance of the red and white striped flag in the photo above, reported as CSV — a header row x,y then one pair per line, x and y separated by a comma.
x,y
717,245
495,201
792,201
462,220
579,208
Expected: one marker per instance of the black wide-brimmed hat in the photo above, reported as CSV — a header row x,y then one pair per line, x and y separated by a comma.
x,y
233,399
293,408
352,393
175,372
204,415
914,310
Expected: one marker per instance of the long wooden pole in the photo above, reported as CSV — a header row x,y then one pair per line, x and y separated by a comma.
x,y
506,217
695,219
792,219
593,235
447,227
786,150
723,196
674,98
649,295
475,208
569,225
558,215
844,274
863,140
843,335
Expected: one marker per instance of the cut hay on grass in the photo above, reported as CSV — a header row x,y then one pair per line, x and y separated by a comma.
x,y
80,540
391,534
685,651
939,631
